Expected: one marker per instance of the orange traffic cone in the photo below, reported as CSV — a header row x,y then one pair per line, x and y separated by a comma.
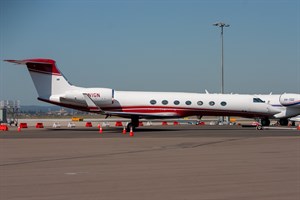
x,y
19,129
124,130
100,130
131,134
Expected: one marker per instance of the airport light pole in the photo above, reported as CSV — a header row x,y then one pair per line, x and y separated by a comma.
x,y
222,25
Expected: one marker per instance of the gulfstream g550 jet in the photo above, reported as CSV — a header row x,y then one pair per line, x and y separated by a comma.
x,y
53,87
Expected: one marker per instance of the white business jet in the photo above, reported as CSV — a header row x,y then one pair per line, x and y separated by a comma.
x,y
52,87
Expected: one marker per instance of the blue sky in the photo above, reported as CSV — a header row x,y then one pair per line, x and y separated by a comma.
x,y
153,45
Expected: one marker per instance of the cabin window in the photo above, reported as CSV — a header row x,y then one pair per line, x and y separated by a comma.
x,y
200,103
211,103
164,102
176,102
153,102
188,103
223,103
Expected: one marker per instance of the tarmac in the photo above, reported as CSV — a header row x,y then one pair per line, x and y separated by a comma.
x,y
160,162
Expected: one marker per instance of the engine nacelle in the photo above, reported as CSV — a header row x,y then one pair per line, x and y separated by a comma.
x,y
101,96
289,99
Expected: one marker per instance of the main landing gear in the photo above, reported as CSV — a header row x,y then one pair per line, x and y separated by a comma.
x,y
133,124
283,122
265,122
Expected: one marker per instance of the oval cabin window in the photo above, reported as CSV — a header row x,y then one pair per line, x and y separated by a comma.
x,y
223,103
211,103
152,102
164,102
200,103
188,103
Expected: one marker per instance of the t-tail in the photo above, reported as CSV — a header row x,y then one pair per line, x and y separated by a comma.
x,y
53,87
47,78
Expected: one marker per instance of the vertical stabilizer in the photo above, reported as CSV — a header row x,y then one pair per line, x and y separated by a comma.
x,y
47,78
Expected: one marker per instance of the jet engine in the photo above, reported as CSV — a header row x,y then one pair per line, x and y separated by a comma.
x,y
101,96
290,100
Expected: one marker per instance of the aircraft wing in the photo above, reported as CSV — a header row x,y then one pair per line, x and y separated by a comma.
x,y
142,115
295,119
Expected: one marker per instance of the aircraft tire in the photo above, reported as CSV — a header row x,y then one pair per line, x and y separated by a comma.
x,y
293,123
283,122
129,126
265,122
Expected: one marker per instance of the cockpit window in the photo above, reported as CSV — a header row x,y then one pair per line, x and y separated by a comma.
x,y
258,100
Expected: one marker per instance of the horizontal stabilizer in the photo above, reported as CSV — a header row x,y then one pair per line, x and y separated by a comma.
x,y
39,65
21,62
36,60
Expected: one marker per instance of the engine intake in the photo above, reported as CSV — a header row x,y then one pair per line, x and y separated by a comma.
x,y
290,99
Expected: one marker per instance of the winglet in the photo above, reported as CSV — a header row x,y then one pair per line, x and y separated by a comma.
x,y
91,104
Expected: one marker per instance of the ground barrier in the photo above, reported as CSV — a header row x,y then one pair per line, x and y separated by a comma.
x,y
3,127
23,125
71,125
39,125
56,125
88,124
118,123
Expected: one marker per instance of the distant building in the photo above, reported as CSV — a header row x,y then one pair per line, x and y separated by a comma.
x,y
9,111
